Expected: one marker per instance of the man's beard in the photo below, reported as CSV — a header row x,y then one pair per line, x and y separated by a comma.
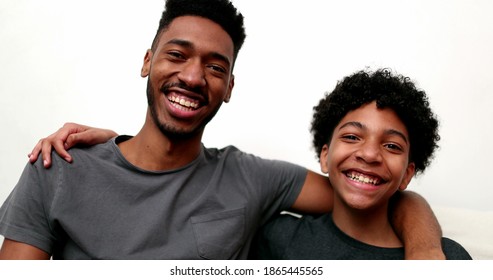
x,y
168,130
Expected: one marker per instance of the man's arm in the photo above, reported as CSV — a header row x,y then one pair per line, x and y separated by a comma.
x,y
316,196
13,250
67,137
417,227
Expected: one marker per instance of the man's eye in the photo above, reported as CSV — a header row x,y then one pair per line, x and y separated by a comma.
x,y
176,55
217,68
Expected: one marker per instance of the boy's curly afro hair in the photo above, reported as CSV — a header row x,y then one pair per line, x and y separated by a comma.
x,y
389,91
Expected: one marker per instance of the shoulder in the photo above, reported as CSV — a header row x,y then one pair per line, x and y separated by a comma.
x,y
284,222
274,237
235,153
228,153
108,149
454,251
286,226
248,162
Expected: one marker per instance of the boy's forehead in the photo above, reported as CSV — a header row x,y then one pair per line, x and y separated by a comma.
x,y
370,115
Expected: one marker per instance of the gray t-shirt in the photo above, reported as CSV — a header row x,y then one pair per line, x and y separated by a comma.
x,y
318,238
102,207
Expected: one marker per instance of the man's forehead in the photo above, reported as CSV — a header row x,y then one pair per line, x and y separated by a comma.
x,y
195,20
195,30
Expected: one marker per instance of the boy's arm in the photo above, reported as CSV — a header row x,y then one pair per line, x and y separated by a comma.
x,y
417,227
67,137
13,250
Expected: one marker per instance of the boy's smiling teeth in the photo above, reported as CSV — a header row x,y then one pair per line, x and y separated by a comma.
x,y
362,178
183,102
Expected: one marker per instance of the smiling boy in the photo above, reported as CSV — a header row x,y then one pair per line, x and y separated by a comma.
x,y
372,134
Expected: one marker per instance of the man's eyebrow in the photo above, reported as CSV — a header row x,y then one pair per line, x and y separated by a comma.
x,y
189,45
221,57
180,42
387,132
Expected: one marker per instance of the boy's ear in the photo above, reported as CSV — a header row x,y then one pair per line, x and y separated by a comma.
x,y
410,171
324,156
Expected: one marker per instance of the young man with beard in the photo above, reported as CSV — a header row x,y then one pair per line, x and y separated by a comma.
x,y
161,194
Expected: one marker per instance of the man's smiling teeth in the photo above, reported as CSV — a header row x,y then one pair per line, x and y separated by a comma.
x,y
362,178
183,102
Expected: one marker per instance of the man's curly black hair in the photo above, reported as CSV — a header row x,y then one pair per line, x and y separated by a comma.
x,y
221,12
389,90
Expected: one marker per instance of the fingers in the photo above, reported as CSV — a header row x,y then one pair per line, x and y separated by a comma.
x,y
43,147
65,138
57,141
84,138
74,139
46,153
33,155
59,146
90,136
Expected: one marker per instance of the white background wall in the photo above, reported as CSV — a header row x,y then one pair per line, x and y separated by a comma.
x,y
80,61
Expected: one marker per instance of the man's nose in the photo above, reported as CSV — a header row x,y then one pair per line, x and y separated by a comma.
x,y
193,74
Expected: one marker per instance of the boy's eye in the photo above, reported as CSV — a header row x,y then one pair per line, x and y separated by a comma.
x,y
393,147
350,137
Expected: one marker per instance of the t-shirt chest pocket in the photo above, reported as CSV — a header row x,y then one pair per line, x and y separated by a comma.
x,y
219,235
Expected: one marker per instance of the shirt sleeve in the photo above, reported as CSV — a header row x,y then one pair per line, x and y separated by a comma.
x,y
279,183
23,216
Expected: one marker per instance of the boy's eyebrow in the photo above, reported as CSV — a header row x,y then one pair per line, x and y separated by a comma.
x,y
356,124
388,131
398,133
189,45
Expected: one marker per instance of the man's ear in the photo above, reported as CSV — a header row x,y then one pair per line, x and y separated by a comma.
x,y
410,171
324,157
146,67
230,89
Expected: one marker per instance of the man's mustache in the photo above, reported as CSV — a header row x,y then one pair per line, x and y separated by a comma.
x,y
165,88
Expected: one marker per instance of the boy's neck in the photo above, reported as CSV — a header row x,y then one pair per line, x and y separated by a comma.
x,y
370,226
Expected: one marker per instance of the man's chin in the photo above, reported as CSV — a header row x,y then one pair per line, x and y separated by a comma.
x,y
181,134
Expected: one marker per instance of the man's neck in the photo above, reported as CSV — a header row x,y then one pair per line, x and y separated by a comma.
x,y
370,226
152,150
